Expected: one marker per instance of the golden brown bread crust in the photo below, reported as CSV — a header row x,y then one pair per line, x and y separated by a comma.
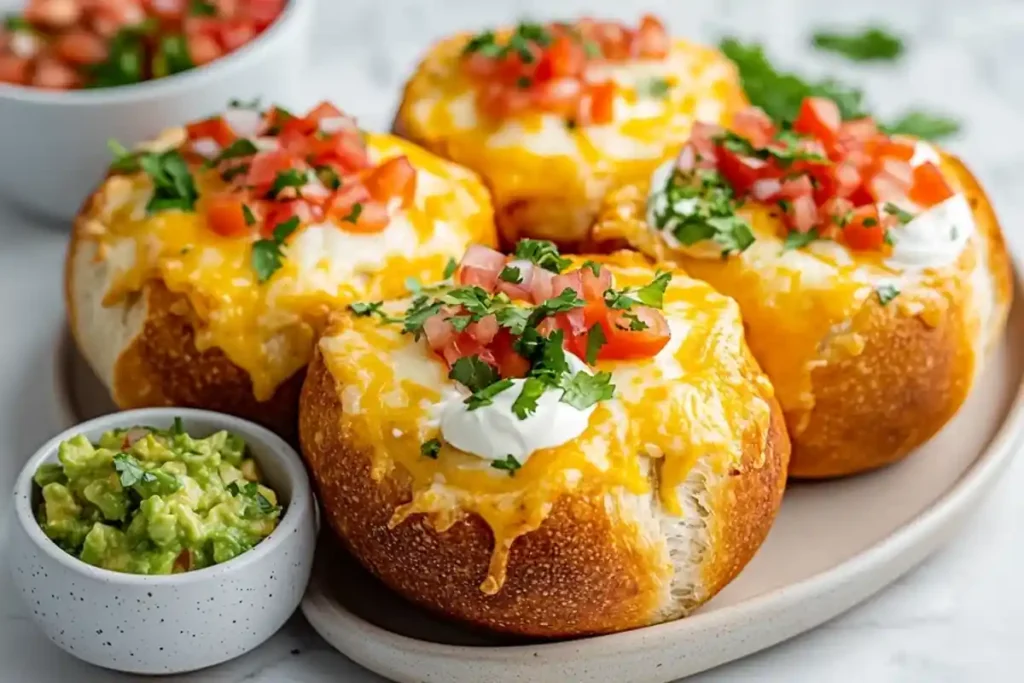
x,y
577,574
911,376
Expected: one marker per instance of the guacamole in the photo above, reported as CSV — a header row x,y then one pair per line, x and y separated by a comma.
x,y
152,501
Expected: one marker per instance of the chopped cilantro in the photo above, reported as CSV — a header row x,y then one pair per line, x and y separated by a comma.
x,y
460,322
485,396
413,285
635,323
130,471
702,206
886,293
889,239
901,215
238,149
484,43
542,253
870,222
526,403
653,88
584,389
329,177
799,240
173,185
653,293
251,490
288,178
430,449
592,48
354,213
594,267
267,256
367,308
473,373
15,22
450,268
421,309
201,8
509,464
869,44
510,274
595,340
250,219
523,82
923,125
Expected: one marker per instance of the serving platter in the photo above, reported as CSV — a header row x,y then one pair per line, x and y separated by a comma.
x,y
834,544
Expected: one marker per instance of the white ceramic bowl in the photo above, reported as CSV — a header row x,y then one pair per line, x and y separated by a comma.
x,y
53,145
182,622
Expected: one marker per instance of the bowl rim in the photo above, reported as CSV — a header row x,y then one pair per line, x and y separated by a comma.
x,y
291,17
296,514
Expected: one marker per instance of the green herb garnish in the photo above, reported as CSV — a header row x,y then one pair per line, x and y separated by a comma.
x,y
130,471
509,464
542,253
799,240
430,449
267,256
870,44
923,125
886,293
584,389
473,373
653,88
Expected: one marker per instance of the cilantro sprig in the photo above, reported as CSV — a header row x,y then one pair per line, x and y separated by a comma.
x,y
522,42
542,253
267,255
873,43
173,184
700,206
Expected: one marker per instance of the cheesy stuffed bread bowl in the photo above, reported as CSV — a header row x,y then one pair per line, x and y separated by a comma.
x,y
547,447
552,115
201,270
870,270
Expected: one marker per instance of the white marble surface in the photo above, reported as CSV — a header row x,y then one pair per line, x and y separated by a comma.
x,y
958,618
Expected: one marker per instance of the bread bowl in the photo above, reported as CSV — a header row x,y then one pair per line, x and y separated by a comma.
x,y
597,102
871,272
199,291
579,518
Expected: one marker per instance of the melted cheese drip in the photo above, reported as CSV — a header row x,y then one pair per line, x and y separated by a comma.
x,y
701,399
800,305
269,329
537,155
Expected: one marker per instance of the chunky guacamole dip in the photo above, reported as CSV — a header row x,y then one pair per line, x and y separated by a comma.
x,y
151,501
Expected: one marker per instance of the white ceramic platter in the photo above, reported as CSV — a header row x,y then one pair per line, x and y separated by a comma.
x,y
834,544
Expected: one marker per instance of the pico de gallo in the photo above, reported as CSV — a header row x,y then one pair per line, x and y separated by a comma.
x,y
506,317
270,172
72,44
544,68
830,179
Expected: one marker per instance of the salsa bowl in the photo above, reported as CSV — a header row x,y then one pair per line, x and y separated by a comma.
x,y
56,145
173,623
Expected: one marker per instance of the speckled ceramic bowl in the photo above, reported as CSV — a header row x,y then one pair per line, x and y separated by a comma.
x,y
168,624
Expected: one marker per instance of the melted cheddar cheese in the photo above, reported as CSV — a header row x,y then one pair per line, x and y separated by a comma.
x,y
701,399
803,308
538,155
269,329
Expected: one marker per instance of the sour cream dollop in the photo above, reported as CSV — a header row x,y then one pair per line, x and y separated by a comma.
x,y
493,432
934,238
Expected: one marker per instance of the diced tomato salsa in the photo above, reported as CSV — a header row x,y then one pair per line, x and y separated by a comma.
x,y
846,180
277,166
71,44
628,333
545,67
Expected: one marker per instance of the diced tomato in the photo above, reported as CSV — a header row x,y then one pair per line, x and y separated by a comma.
x,y
80,47
518,291
594,286
510,363
483,330
559,96
625,344
463,345
234,33
202,49
345,148
225,215
902,150
281,212
819,118
602,102
14,69
929,187
564,58
373,217
215,128
480,266
266,165
766,189
754,125
438,330
803,214
542,285
847,179
395,178
885,187
54,13
324,110
865,230
652,40
55,75
797,187
480,66
741,171
572,280
615,40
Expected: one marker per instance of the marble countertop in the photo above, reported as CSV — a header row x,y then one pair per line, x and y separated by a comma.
x,y
956,618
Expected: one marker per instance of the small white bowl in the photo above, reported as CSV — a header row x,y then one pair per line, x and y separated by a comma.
x,y
53,147
176,623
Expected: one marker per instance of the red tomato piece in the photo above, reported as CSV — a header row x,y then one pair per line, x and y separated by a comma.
x,y
510,363
234,33
55,75
80,47
202,49
215,128
483,330
572,280
741,171
559,96
281,212
651,40
602,102
438,330
625,344
818,117
266,165
803,214
14,69
929,186
541,285
373,217
225,215
480,266
864,231
563,58
800,186
754,125
345,148
396,177
344,198
324,110
594,286
886,187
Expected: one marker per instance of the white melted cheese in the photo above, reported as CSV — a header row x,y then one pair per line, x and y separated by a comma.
x,y
493,432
